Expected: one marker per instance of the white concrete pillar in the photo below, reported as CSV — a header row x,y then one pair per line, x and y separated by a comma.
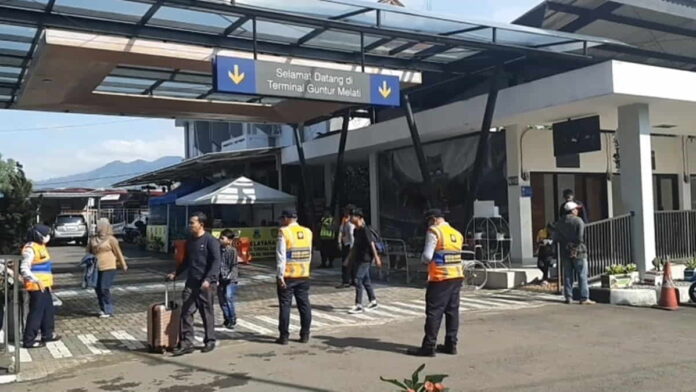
x,y
610,198
374,189
519,207
636,180
684,187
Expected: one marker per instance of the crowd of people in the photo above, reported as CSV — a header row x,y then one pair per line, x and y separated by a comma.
x,y
212,269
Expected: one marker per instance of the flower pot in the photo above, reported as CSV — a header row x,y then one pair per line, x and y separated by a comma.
x,y
621,281
653,278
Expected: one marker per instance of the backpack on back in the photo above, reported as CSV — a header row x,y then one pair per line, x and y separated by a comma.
x,y
380,245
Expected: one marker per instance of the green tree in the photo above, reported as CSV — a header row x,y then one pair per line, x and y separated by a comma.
x,y
16,209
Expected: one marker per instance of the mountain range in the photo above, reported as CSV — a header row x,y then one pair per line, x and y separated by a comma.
x,y
107,175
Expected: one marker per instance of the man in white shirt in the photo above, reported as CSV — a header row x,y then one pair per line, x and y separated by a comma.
x,y
346,240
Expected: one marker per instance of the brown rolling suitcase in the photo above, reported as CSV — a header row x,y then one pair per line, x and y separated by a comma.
x,y
163,324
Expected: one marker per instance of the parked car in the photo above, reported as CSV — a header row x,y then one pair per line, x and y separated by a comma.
x,y
70,227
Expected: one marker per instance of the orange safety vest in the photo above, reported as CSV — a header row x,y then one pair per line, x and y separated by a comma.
x,y
41,267
447,259
298,245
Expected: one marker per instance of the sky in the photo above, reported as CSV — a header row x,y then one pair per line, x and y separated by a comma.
x,y
51,145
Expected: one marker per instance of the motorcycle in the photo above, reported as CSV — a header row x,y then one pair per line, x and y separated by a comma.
x,y
692,289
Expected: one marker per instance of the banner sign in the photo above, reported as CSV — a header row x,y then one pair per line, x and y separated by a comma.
x,y
263,240
245,76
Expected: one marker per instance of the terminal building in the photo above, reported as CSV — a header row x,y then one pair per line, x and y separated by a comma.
x,y
452,111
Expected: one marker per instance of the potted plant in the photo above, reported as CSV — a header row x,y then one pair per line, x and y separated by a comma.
x,y
431,383
156,244
690,267
619,276
141,242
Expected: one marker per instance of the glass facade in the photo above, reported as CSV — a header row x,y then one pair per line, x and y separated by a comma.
x,y
450,162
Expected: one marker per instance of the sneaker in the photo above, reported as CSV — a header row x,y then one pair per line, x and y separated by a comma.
x,y
104,315
343,286
304,338
282,341
373,305
53,338
421,352
567,301
356,309
587,302
229,325
37,344
446,349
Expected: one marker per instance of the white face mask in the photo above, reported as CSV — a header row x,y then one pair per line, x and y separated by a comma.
x,y
46,239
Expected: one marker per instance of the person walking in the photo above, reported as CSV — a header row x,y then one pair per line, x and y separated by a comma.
x,y
327,240
229,274
37,274
361,255
568,196
202,262
570,233
104,246
345,243
293,261
442,253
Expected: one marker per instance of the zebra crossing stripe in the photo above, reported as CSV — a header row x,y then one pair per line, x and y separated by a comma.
x,y
465,302
382,313
361,316
329,317
510,304
295,317
128,340
58,350
92,344
407,305
400,310
254,328
487,304
23,353
266,319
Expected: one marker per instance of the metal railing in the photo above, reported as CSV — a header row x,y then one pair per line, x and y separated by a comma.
x,y
675,234
608,242
10,353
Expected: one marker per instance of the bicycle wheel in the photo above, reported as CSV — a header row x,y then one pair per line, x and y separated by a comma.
x,y
475,275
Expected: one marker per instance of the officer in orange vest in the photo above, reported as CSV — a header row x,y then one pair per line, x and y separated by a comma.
x,y
293,259
37,274
442,253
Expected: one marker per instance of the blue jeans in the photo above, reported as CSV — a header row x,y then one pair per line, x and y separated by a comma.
x,y
363,282
570,268
105,279
227,293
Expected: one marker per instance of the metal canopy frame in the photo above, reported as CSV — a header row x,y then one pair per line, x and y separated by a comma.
x,y
342,31
606,12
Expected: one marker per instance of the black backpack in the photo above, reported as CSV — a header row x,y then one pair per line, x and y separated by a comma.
x,y
380,245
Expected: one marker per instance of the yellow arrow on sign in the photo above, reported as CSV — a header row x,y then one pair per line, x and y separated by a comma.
x,y
384,90
237,77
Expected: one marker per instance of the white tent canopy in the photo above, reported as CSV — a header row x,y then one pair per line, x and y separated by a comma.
x,y
240,191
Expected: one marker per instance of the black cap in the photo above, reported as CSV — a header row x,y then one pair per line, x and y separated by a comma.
x,y
433,213
288,213
358,212
568,192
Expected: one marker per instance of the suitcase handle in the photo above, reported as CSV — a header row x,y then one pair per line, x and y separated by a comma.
x,y
166,292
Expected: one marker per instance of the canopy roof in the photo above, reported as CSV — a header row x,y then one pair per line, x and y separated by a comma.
x,y
338,31
658,32
240,191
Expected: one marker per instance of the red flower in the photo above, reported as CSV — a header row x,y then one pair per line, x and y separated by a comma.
x,y
439,387
429,386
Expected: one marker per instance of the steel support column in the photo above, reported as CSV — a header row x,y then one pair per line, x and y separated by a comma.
x,y
482,149
418,147
338,176
306,213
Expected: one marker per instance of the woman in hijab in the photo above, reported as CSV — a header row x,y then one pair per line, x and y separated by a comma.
x,y
109,257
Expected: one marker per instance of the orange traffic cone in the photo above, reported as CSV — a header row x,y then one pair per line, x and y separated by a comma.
x,y
669,295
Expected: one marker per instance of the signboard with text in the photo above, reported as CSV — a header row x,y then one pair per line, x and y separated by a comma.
x,y
245,76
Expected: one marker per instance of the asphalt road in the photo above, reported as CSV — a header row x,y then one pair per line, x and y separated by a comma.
x,y
552,348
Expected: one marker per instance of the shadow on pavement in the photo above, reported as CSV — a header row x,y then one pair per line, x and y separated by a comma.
x,y
364,343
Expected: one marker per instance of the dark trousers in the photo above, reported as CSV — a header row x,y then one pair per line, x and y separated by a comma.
x,y
346,276
41,316
363,282
195,298
442,298
105,279
299,288
327,248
